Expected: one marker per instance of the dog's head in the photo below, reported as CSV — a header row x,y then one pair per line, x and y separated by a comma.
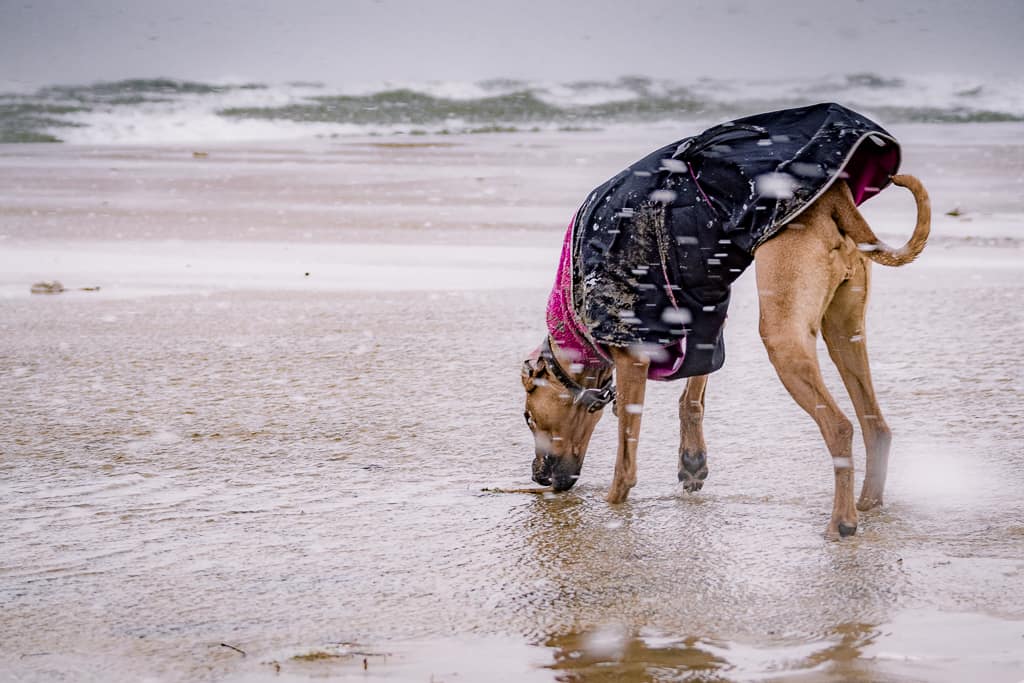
x,y
562,409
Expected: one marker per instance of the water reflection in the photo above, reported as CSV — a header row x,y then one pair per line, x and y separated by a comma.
x,y
636,659
668,587
838,655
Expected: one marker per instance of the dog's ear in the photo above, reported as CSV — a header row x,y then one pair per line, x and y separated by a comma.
x,y
533,370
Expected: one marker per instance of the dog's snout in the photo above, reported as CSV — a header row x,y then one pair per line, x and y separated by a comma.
x,y
558,472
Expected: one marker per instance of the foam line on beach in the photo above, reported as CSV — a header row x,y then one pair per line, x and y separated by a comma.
x,y
135,268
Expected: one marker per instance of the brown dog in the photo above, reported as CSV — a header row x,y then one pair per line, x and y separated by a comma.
x,y
812,276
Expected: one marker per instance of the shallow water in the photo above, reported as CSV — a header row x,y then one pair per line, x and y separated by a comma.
x,y
298,475
262,470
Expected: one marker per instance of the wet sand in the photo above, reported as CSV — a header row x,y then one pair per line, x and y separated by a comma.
x,y
218,449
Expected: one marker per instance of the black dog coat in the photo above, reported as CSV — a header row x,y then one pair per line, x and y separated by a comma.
x,y
654,250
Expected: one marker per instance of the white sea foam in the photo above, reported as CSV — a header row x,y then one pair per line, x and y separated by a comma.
x,y
165,111
189,124
195,118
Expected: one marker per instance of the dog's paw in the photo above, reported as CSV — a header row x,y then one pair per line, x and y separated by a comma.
x,y
693,470
840,529
865,504
869,500
619,492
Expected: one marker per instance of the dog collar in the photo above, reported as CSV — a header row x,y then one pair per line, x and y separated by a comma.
x,y
593,399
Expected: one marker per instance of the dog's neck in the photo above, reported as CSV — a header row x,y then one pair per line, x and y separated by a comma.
x,y
575,348
564,329
587,373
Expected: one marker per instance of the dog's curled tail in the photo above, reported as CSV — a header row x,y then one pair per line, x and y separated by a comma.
x,y
877,250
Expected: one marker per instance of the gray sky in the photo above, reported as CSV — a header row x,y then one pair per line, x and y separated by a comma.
x,y
69,41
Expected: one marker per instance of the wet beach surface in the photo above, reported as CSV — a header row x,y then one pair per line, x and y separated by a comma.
x,y
296,469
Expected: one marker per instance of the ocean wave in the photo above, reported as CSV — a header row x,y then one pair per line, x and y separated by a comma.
x,y
162,110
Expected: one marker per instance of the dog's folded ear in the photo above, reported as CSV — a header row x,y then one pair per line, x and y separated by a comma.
x,y
533,369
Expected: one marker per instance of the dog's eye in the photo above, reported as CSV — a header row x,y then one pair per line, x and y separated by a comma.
x,y
529,419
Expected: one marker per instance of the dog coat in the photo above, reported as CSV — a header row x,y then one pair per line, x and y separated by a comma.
x,y
650,256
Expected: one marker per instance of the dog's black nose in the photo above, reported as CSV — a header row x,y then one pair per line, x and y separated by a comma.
x,y
563,482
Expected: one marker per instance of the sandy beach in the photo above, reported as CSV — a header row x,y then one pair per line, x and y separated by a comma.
x,y
258,451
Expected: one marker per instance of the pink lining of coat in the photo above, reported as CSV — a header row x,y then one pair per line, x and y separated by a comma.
x,y
569,334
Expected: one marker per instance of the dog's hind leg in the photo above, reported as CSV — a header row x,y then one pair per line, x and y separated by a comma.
x,y
693,463
797,273
843,329
631,384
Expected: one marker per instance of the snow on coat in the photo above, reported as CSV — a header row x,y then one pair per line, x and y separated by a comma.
x,y
650,255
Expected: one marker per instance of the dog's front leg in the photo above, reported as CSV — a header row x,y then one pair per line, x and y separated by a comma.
x,y
693,461
631,383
